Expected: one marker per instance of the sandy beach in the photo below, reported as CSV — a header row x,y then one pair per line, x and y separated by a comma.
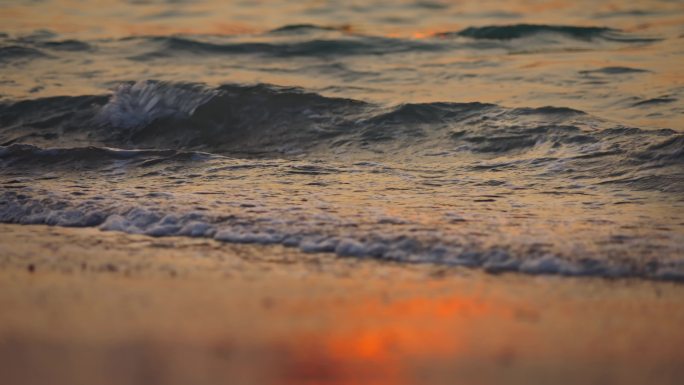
x,y
82,306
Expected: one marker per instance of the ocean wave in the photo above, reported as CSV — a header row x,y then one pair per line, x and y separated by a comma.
x,y
138,104
614,71
52,120
13,53
307,28
316,41
26,49
310,40
270,121
426,113
339,46
654,101
23,155
518,31
66,45
311,234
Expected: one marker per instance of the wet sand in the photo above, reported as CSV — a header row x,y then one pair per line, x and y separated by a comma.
x,y
81,306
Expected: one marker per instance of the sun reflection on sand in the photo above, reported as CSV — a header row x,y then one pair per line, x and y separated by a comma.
x,y
374,341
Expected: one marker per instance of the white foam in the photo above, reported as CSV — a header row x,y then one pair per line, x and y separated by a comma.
x,y
196,229
351,248
228,235
318,245
138,104
500,261
161,230
549,264
117,222
17,208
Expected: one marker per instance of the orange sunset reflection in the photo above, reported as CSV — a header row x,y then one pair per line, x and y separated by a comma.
x,y
379,341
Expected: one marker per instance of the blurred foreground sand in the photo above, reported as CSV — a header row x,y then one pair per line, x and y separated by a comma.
x,y
80,306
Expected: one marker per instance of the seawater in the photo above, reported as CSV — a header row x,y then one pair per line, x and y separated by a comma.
x,y
536,137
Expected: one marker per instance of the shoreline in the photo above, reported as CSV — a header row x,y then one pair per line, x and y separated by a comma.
x,y
86,306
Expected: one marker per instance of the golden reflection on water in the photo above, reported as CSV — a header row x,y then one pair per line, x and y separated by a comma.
x,y
123,18
524,79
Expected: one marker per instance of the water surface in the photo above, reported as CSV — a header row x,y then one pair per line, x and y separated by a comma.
x,y
539,137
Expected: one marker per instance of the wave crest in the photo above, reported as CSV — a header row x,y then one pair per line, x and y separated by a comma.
x,y
270,121
138,104
519,31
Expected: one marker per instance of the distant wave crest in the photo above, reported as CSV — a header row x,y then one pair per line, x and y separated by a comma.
x,y
517,31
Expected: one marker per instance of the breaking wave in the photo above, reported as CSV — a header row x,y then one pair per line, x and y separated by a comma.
x,y
265,119
163,155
